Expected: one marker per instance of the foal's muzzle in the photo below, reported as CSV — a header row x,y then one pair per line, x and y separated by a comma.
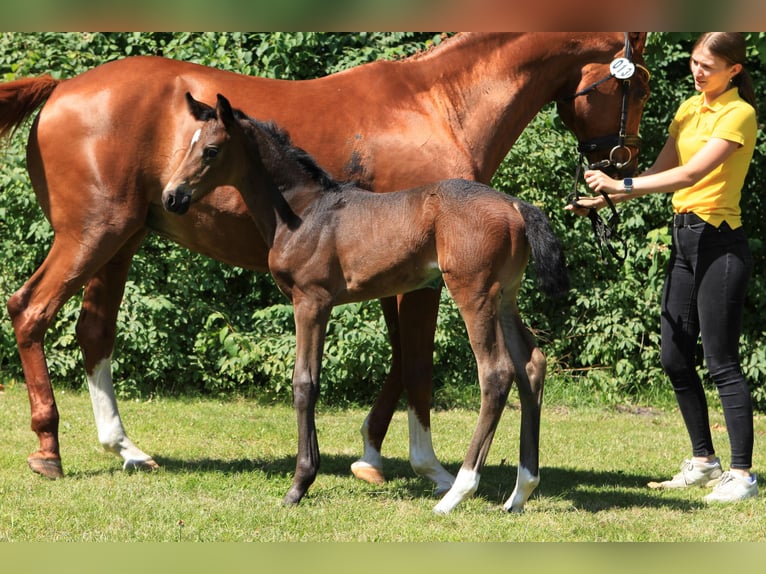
x,y
177,200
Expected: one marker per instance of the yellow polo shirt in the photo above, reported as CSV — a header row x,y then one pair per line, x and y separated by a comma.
x,y
715,198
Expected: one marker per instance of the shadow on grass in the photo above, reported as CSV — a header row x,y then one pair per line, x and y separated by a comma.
x,y
586,490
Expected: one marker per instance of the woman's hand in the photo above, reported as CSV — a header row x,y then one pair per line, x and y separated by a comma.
x,y
584,204
602,183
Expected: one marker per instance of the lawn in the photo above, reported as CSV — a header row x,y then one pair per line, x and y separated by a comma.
x,y
225,466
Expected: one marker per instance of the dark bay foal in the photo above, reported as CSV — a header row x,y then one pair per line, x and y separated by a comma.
x,y
331,243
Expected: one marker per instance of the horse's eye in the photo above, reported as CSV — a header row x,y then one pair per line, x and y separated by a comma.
x,y
209,153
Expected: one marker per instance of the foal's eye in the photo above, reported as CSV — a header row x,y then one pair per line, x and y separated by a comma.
x,y
209,153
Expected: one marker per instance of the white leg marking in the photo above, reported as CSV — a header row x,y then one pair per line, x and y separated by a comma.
x,y
465,485
371,457
526,482
111,433
422,457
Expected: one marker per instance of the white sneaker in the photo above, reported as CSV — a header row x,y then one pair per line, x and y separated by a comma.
x,y
733,487
693,473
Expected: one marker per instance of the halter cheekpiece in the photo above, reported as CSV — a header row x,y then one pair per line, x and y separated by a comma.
x,y
622,69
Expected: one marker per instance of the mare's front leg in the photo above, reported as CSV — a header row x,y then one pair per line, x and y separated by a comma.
x,y
411,322
311,318
531,366
96,332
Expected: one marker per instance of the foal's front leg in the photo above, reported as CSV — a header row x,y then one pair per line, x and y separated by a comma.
x,y
310,327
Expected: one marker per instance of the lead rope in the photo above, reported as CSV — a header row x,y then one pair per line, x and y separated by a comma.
x,y
606,233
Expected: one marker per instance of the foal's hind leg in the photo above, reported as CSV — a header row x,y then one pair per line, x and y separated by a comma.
x,y
530,366
96,331
496,374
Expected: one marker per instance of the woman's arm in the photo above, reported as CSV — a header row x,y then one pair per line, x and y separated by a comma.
x,y
665,175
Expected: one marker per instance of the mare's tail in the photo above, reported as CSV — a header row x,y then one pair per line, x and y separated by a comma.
x,y
547,252
20,98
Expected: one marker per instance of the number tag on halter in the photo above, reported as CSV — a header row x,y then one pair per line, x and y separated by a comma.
x,y
622,68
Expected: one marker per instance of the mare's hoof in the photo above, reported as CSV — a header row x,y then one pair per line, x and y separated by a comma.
x,y
368,473
148,465
47,467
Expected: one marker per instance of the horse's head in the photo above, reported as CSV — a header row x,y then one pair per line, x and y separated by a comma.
x,y
603,102
208,163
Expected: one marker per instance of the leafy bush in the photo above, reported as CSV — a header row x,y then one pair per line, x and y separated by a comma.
x,y
188,323
191,324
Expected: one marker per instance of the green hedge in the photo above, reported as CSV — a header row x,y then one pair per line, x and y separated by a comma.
x,y
230,330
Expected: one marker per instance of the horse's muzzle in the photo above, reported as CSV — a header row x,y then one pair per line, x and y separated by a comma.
x,y
176,200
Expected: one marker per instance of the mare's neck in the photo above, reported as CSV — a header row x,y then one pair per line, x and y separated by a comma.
x,y
496,84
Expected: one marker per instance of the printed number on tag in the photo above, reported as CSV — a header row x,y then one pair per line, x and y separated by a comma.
x,y
622,68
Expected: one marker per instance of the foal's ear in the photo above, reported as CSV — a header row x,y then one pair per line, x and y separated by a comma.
x,y
225,113
200,111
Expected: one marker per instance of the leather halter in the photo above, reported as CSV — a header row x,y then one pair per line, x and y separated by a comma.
x,y
606,233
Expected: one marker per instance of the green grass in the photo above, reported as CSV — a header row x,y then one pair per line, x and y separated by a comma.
x,y
226,465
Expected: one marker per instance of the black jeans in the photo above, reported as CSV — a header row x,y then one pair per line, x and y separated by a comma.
x,y
704,293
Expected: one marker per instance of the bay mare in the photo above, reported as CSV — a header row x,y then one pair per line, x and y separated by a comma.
x,y
330,244
105,142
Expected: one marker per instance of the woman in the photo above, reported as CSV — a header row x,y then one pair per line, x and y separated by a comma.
x,y
704,163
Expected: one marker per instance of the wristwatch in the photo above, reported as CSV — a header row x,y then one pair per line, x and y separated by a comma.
x,y
627,184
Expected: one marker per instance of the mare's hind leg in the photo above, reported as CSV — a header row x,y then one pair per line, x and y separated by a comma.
x,y
530,366
418,312
96,332
411,322
369,467
496,373
32,310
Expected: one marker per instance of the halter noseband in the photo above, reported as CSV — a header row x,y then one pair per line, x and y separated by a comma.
x,y
622,69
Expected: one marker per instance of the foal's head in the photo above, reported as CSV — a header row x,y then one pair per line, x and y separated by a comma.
x,y
232,149
216,156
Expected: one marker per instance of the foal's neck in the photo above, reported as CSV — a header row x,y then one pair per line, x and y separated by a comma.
x,y
282,180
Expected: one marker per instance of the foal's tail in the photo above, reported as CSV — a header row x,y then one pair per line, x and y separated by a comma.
x,y
547,252
20,98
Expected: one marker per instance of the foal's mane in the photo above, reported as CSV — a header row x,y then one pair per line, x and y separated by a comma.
x,y
291,152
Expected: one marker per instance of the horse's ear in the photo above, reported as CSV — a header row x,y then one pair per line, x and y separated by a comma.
x,y
200,111
225,113
638,41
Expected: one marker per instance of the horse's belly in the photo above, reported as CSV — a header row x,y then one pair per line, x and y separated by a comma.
x,y
375,280
230,237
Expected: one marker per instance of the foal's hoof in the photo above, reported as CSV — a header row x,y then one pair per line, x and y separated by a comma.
x,y
147,465
47,467
368,473
293,497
